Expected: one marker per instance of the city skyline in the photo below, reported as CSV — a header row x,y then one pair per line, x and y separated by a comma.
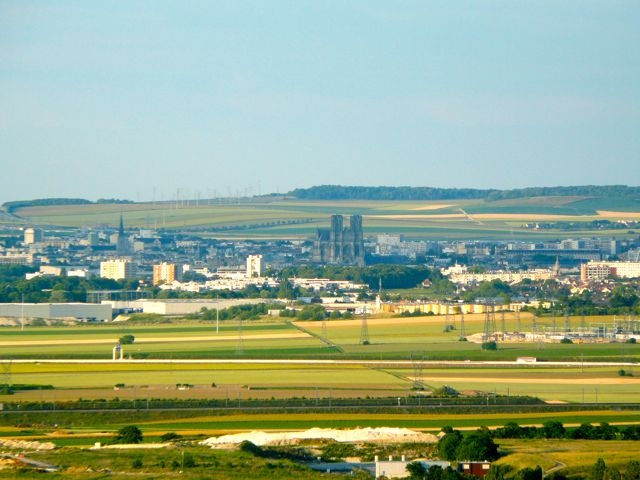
x,y
157,100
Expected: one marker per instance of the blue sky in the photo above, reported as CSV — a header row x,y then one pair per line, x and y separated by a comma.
x,y
152,99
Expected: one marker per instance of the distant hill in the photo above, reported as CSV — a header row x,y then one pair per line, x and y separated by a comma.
x,y
10,207
343,192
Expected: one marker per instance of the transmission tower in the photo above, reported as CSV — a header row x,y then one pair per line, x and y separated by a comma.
x,y
323,329
447,319
489,322
6,373
418,379
518,327
364,329
240,346
567,322
462,335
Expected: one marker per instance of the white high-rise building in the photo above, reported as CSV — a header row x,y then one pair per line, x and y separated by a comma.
x,y
254,266
32,235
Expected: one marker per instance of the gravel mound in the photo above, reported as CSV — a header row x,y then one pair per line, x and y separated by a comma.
x,y
383,434
26,445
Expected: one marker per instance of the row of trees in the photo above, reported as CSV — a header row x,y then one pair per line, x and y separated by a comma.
x,y
556,429
600,471
624,298
391,276
344,192
56,289
254,312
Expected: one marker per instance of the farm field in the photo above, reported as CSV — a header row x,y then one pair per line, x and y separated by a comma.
x,y
84,427
236,365
234,383
289,218
400,338
574,456
77,460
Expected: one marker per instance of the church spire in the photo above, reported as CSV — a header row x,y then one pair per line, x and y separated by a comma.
x,y
556,267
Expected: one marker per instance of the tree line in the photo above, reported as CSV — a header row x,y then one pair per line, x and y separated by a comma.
x,y
12,206
345,192
556,429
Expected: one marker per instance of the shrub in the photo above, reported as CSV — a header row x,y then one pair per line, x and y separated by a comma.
x,y
492,345
170,436
188,461
566,341
445,391
250,447
127,339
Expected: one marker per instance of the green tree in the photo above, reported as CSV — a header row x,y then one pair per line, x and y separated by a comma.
x,y
417,470
528,473
553,429
448,444
311,312
128,434
613,474
498,472
632,470
59,296
477,446
598,470
286,291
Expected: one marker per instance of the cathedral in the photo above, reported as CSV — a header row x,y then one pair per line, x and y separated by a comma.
x,y
339,244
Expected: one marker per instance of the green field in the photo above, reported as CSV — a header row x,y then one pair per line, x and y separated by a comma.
x,y
389,338
396,358
288,218
77,461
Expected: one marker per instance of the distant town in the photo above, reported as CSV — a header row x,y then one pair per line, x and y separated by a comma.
x,y
145,265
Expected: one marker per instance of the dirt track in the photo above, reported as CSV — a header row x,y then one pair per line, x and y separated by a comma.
x,y
139,340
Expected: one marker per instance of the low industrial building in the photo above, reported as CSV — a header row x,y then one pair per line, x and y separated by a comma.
x,y
185,307
84,312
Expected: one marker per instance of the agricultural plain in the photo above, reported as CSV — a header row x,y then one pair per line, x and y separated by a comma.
x,y
286,218
277,359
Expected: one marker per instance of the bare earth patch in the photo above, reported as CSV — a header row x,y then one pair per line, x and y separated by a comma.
x,y
382,434
609,214
433,207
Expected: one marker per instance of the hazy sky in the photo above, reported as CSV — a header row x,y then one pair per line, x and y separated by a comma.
x,y
152,99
